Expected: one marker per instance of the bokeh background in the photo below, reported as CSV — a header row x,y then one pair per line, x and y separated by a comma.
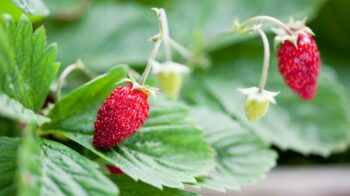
x,y
311,138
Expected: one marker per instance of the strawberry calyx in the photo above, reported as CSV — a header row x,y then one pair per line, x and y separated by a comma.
x,y
169,67
257,102
253,93
135,85
297,27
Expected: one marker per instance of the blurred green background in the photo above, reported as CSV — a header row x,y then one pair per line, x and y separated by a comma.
x,y
107,33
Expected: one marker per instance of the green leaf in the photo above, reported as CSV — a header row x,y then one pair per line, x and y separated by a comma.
x,y
242,158
78,109
20,55
128,187
317,127
15,110
33,7
27,65
123,40
8,165
167,151
126,28
211,18
50,168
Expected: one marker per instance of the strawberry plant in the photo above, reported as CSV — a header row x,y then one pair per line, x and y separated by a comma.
x,y
88,106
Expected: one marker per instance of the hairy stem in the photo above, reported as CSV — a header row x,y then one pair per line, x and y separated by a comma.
x,y
267,18
164,30
266,64
150,61
181,49
78,65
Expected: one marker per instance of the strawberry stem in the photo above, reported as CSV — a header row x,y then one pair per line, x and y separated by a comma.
x,y
265,71
79,65
150,61
267,18
164,37
164,32
181,49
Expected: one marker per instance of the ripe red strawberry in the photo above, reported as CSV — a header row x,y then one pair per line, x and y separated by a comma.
x,y
121,114
114,170
299,65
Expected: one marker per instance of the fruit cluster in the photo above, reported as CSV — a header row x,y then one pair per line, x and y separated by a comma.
x,y
127,108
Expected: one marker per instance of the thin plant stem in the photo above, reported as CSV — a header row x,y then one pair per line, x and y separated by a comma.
x,y
267,18
266,64
181,49
65,73
165,36
150,61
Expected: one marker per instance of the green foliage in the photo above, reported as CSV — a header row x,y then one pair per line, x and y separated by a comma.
x,y
129,187
77,111
8,160
202,140
8,7
67,9
47,167
13,109
30,165
317,127
130,24
168,151
241,157
27,69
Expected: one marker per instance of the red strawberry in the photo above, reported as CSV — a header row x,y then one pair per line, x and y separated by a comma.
x,y
121,114
299,65
114,170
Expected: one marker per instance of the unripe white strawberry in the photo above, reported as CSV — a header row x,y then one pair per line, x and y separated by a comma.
x,y
257,102
170,76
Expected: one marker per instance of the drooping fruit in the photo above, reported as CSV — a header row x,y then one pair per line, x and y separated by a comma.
x,y
257,102
298,58
299,65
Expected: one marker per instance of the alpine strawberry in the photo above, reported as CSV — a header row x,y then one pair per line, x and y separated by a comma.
x,y
121,114
299,59
170,76
257,102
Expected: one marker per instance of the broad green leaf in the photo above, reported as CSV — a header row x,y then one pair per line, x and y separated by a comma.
x,y
33,7
50,168
27,65
317,127
8,165
122,29
167,151
208,19
242,158
119,36
78,109
15,110
129,187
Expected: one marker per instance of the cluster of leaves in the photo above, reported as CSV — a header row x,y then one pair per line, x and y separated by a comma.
x,y
203,140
